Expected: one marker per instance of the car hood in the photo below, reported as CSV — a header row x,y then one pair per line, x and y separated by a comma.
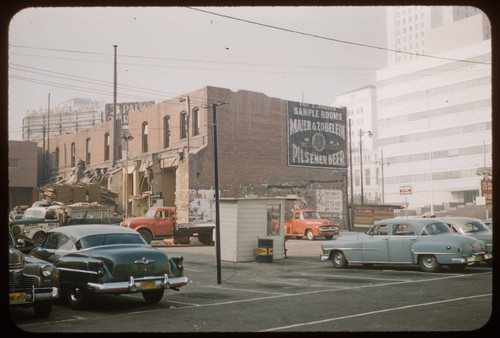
x,y
15,258
124,261
28,221
136,220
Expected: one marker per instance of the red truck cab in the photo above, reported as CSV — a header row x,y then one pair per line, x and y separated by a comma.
x,y
306,222
158,222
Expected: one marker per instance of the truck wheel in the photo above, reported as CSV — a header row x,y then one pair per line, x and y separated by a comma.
x,y
309,235
205,238
154,296
429,263
338,260
146,235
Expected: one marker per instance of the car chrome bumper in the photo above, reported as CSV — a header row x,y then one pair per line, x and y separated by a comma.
x,y
37,295
138,284
475,258
324,257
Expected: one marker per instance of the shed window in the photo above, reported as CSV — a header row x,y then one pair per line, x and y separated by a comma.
x,y
273,219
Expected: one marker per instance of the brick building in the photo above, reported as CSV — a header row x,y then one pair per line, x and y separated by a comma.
x,y
170,158
23,173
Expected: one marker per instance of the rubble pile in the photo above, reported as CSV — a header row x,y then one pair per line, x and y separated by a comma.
x,y
78,193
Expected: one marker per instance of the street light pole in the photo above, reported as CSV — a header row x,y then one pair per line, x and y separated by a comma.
x,y
216,192
127,138
361,133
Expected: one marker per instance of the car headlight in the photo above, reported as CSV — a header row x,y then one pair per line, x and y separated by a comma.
x,y
47,270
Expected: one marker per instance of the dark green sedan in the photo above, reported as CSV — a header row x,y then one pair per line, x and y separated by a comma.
x,y
96,259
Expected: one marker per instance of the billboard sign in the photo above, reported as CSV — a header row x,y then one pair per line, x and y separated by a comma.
x,y
122,110
487,191
316,135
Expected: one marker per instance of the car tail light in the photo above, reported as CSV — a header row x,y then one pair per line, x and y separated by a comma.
x,y
180,266
100,271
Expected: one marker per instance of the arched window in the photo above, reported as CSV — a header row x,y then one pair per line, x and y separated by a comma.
x,y
106,147
183,124
73,154
145,137
87,151
166,132
196,121
57,158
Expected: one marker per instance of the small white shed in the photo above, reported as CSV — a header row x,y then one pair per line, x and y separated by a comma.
x,y
244,220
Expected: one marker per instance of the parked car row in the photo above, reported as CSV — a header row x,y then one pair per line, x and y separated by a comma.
x,y
81,261
427,242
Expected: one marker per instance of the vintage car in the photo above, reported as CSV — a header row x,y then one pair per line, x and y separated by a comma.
x,y
471,227
32,282
95,259
423,241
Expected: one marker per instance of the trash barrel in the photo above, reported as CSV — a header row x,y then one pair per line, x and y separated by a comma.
x,y
265,250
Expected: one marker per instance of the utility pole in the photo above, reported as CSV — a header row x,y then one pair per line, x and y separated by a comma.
x,y
114,111
216,192
48,140
351,222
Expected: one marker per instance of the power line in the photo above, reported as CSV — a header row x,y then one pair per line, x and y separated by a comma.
x,y
331,39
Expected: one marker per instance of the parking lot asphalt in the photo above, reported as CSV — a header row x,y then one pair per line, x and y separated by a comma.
x,y
297,294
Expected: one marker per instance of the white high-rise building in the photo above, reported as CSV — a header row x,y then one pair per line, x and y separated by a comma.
x,y
415,30
434,113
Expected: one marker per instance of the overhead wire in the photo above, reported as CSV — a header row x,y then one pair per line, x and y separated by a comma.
x,y
331,39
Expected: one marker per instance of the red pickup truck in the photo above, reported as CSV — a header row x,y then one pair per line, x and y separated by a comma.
x,y
161,222
307,223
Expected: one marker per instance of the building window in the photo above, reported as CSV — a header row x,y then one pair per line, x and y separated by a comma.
x,y
196,122
367,177
13,163
183,124
87,151
57,158
145,133
166,132
106,147
73,154
273,219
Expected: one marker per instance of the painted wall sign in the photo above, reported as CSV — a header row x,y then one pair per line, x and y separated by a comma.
x,y
316,135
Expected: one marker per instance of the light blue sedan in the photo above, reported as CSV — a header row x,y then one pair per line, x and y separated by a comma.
x,y
423,241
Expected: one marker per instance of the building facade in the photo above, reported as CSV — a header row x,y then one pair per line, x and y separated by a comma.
x,y
168,157
68,117
434,125
23,173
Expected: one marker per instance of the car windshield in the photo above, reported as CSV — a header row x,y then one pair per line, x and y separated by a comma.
x,y
34,213
474,227
109,239
435,229
310,215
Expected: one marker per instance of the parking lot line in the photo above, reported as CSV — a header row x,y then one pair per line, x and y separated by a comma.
x,y
356,277
244,290
373,312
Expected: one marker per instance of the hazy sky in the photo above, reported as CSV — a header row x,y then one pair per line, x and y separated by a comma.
x,y
164,52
